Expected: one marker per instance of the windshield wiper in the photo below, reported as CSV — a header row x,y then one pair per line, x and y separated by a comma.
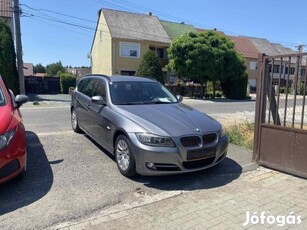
x,y
158,102
131,103
146,103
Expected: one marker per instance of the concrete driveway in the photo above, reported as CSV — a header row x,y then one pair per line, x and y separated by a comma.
x,y
71,178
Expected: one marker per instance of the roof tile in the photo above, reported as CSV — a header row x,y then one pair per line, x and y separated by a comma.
x,y
245,46
6,10
174,29
134,26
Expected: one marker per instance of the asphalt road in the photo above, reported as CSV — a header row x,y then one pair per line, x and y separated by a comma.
x,y
69,177
222,106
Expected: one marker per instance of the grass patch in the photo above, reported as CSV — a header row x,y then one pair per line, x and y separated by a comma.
x,y
241,134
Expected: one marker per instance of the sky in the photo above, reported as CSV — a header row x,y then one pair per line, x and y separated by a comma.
x,y
63,30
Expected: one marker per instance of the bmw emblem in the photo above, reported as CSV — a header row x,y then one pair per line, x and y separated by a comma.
x,y
197,130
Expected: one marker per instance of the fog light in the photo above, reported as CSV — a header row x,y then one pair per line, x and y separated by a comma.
x,y
150,165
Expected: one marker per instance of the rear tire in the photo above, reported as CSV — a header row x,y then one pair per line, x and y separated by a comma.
x,y
124,156
74,121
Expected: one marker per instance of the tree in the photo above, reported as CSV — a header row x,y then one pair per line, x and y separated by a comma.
x,y
54,69
150,67
39,68
8,69
207,56
234,83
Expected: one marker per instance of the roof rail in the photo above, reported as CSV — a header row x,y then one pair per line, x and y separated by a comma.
x,y
151,78
99,75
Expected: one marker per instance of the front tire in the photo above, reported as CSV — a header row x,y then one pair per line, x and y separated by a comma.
x,y
74,121
124,156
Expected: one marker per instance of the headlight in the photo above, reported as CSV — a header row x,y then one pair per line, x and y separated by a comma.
x,y
6,138
154,140
222,132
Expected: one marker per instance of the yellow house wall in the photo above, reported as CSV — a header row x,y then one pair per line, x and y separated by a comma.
x,y
128,63
102,49
252,74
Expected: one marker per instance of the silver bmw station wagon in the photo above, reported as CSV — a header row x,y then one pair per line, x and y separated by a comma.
x,y
149,131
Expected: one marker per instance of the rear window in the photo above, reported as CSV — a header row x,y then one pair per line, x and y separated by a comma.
x,y
2,97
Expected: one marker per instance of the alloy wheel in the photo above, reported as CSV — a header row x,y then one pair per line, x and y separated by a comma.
x,y
123,155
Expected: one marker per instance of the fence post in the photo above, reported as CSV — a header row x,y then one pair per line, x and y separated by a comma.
x,y
259,106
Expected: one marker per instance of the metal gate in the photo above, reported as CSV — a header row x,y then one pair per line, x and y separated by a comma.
x,y
280,140
39,85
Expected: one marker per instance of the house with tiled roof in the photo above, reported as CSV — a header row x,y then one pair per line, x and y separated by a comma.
x,y
279,69
246,48
6,12
28,69
265,46
122,38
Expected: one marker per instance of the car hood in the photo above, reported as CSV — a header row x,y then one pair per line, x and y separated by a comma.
x,y
170,119
5,118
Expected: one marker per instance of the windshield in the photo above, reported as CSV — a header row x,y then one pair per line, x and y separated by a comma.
x,y
2,97
129,93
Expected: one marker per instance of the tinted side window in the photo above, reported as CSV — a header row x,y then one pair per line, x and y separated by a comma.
x,y
81,84
88,87
100,89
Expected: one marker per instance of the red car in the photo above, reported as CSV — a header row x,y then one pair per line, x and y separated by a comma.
x,y
13,154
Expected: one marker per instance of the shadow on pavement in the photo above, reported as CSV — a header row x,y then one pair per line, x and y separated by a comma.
x,y
49,97
217,176
18,193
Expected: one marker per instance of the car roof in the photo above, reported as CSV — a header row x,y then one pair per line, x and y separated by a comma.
x,y
120,78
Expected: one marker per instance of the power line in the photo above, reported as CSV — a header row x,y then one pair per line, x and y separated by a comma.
x,y
82,26
58,13
184,20
57,26
90,21
111,4
106,32
144,9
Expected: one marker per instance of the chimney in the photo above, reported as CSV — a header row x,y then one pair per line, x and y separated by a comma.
x,y
149,13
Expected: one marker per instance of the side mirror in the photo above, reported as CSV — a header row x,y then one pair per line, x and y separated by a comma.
x,y
98,100
20,100
179,98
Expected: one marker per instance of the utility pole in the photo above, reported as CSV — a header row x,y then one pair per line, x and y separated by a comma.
x,y
19,47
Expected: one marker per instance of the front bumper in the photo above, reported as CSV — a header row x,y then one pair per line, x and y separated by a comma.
x,y
168,161
13,157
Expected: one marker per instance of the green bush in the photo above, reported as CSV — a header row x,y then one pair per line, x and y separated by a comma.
x,y
284,90
209,86
235,88
300,88
208,95
150,67
218,95
67,80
